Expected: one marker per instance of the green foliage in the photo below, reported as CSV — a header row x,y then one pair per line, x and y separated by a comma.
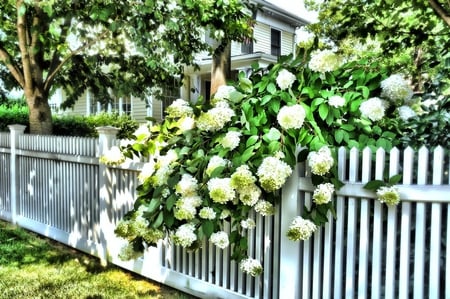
x,y
410,36
270,114
12,114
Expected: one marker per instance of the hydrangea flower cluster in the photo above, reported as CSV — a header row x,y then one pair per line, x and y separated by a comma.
x,y
231,140
291,117
388,195
336,101
113,156
374,108
251,266
273,173
185,235
179,108
215,118
301,229
220,239
323,61
323,193
396,89
321,161
285,79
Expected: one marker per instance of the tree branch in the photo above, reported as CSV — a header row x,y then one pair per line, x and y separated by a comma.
x,y
12,67
440,11
22,34
56,67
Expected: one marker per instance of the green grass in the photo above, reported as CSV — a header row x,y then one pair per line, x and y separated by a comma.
x,y
32,266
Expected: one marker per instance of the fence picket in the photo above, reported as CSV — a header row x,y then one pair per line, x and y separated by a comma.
x,y
377,259
419,248
391,232
340,210
364,227
435,231
405,227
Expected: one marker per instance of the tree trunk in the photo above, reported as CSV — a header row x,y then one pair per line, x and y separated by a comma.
x,y
40,117
220,67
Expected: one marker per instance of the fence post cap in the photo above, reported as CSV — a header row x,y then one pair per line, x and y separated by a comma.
x,y
110,130
17,128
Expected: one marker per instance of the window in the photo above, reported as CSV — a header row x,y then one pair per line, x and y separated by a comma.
x,y
247,47
170,92
275,42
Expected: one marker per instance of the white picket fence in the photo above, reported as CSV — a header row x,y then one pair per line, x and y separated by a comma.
x,y
55,186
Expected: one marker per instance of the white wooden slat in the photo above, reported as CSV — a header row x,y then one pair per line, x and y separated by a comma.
x,y
435,234
350,285
419,248
328,258
364,227
340,211
317,265
377,255
390,282
405,227
308,257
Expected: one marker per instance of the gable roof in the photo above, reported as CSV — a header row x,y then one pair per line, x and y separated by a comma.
x,y
281,14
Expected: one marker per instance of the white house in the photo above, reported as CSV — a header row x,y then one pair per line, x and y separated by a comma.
x,y
274,35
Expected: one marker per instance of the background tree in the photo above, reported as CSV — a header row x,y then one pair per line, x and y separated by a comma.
x,y
118,48
413,34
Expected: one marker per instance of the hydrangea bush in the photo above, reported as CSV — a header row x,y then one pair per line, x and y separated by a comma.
x,y
213,163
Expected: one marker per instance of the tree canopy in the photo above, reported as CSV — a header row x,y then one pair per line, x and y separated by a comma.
x,y
119,47
413,34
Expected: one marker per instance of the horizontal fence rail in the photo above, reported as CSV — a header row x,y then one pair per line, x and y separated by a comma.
x,y
56,186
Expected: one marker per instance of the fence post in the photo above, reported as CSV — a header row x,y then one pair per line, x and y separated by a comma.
x,y
15,130
107,138
289,250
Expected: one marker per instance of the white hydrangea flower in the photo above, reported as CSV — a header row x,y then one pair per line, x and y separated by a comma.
x,y
220,239
142,132
336,101
301,229
251,266
185,235
291,117
215,118
207,213
388,195
231,140
321,161
147,171
187,186
323,61
215,162
248,223
249,194
223,93
113,156
186,123
273,173
406,112
396,89
374,108
242,177
128,253
323,193
285,79
179,108
264,208
220,190
186,207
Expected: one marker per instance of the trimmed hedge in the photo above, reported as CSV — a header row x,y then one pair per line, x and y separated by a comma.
x,y
74,125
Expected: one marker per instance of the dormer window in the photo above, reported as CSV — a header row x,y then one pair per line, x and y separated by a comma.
x,y
275,42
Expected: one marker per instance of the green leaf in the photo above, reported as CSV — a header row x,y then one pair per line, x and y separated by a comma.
x,y
208,228
159,220
323,111
395,179
271,88
251,140
273,135
247,154
155,203
374,185
365,91
246,84
339,136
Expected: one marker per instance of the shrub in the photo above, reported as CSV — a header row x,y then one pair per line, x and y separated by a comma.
x,y
12,114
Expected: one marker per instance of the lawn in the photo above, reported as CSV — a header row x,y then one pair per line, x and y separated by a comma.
x,y
32,266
